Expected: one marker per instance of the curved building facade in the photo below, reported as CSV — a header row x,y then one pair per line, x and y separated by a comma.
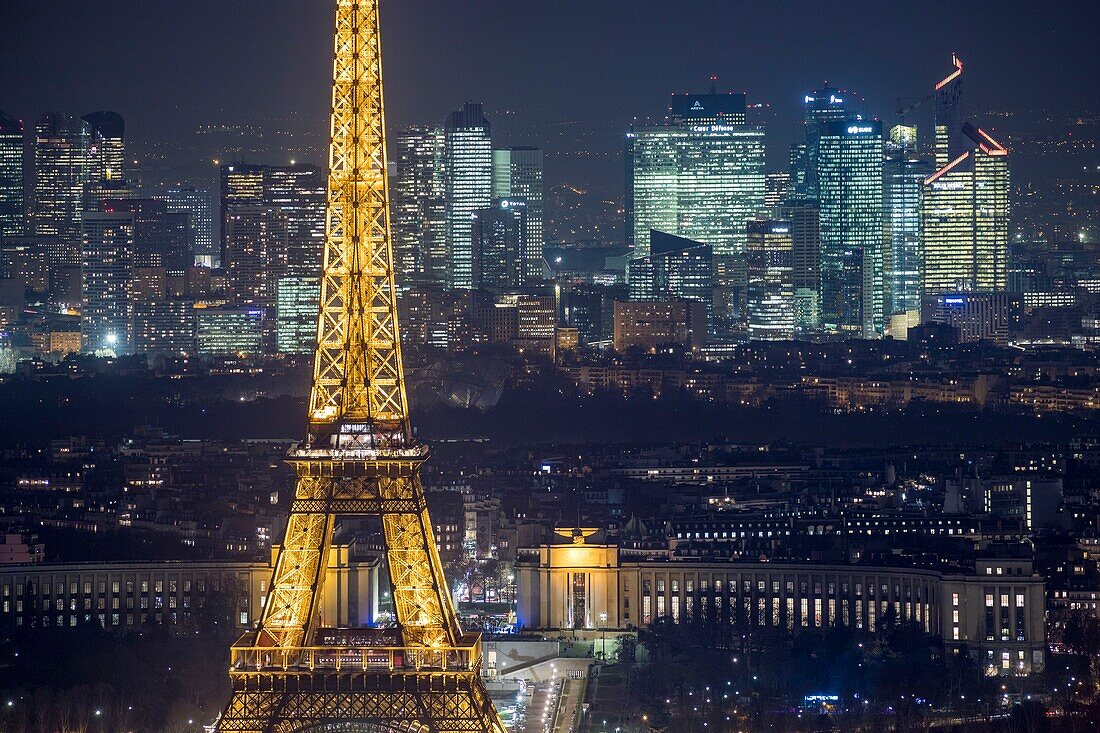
x,y
996,613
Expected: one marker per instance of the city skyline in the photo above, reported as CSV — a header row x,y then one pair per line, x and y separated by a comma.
x,y
800,433
216,75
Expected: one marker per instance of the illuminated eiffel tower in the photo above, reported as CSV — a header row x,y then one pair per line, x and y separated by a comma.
x,y
359,458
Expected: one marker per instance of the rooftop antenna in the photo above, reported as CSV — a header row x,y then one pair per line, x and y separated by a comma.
x,y
713,83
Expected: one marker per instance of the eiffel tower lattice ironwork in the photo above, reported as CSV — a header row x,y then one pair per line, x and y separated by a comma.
x,y
359,458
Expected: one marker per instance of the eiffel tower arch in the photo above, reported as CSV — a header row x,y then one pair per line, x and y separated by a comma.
x,y
359,458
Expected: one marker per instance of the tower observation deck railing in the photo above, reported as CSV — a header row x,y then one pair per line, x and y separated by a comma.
x,y
248,660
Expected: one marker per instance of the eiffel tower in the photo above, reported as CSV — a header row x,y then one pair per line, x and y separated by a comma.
x,y
359,458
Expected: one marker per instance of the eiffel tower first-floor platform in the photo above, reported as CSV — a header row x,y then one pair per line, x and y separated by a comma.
x,y
353,689
359,701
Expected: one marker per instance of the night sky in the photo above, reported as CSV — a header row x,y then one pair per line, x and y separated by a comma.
x,y
169,66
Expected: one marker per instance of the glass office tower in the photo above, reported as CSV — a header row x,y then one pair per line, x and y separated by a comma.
x,y
903,184
849,166
468,177
770,301
517,176
700,176
12,208
419,226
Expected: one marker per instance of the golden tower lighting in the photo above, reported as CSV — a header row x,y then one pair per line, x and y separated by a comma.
x,y
359,458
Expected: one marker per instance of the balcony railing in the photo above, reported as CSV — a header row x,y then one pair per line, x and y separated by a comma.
x,y
463,658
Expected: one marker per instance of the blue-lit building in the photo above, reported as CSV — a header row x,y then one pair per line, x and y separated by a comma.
x,y
819,108
849,165
903,192
12,208
297,303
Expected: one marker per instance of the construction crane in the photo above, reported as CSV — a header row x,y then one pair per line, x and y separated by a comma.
x,y
904,108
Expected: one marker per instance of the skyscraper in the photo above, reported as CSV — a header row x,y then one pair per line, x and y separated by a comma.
x,y
804,218
419,224
950,143
106,148
770,301
517,175
255,253
701,176
499,244
198,204
711,108
849,169
12,209
966,201
468,166
61,168
777,187
965,216
106,275
903,182
820,108
298,191
161,238
164,327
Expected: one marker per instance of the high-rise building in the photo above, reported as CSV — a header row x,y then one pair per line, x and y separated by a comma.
x,y
161,238
712,108
106,148
903,183
803,215
799,163
777,188
966,202
106,274
296,314
700,176
849,169
198,204
966,205
819,108
61,168
12,209
675,269
770,300
517,175
468,177
527,322
590,309
419,223
950,143
976,316
298,191
499,244
255,253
